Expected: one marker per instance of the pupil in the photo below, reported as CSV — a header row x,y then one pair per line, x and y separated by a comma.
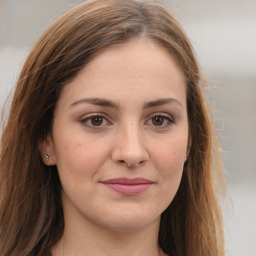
x,y
158,120
97,120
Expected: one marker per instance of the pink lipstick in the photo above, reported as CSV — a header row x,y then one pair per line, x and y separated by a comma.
x,y
127,186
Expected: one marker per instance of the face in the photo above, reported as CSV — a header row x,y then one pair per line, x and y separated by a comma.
x,y
119,138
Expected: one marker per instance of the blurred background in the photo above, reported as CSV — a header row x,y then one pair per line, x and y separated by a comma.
x,y
223,33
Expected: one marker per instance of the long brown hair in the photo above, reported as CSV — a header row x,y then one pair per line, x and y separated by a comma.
x,y
31,217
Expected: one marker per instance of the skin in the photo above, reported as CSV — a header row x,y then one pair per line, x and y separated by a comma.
x,y
133,138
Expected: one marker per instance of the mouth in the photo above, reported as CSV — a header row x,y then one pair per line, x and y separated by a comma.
x,y
126,186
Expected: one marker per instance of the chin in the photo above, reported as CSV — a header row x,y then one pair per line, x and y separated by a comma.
x,y
130,220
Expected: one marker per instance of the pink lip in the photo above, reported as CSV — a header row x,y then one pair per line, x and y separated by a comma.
x,y
127,186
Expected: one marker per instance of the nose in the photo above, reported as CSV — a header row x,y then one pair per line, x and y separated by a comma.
x,y
129,147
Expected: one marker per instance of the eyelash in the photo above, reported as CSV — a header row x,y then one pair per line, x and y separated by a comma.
x,y
90,118
167,119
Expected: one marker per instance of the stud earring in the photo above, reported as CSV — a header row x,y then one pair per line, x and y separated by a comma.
x,y
46,157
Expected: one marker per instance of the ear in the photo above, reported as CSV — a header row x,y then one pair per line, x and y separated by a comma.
x,y
47,151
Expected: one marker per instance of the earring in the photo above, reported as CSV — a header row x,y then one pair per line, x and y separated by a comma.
x,y
46,157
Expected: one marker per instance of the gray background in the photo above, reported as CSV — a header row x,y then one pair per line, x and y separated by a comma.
x,y
223,33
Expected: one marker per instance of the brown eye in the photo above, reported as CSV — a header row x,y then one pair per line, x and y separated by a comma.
x,y
96,120
158,120
161,121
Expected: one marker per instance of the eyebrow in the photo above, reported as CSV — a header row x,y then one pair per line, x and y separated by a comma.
x,y
160,102
97,102
111,104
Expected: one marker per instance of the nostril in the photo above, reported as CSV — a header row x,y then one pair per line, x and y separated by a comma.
x,y
135,165
124,163
130,164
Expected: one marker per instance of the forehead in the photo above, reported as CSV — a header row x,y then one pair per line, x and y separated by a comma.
x,y
137,68
137,54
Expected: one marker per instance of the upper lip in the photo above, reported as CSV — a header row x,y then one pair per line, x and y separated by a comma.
x,y
128,181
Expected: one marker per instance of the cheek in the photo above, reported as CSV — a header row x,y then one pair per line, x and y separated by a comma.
x,y
169,160
171,154
76,157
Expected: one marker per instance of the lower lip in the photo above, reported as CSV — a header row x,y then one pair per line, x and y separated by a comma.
x,y
129,189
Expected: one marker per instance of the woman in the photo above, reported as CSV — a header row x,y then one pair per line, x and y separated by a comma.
x,y
108,148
